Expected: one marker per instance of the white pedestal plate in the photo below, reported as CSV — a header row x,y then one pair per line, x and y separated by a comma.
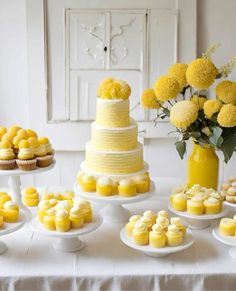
x,y
114,210
227,240
67,241
199,221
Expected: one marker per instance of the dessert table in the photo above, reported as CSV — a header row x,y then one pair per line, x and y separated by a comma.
x,y
107,264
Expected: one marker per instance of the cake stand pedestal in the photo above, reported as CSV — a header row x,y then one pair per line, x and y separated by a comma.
x,y
227,240
9,228
114,210
67,241
199,221
14,183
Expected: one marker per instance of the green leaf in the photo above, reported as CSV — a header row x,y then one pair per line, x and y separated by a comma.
x,y
181,148
229,143
166,111
216,134
195,134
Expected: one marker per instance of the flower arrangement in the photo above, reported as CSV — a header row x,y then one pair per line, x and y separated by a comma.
x,y
207,121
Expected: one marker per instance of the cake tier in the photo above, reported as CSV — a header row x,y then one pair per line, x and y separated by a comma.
x,y
112,113
119,162
114,139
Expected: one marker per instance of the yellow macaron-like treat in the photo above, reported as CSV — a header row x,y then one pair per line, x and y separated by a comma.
x,y
127,188
130,225
178,222
174,236
104,186
49,219
62,220
212,206
227,227
157,237
88,183
44,206
140,234
79,177
85,207
150,215
30,197
76,217
142,183
179,201
11,211
195,206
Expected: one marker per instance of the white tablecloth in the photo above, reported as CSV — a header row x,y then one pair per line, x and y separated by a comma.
x,y
107,264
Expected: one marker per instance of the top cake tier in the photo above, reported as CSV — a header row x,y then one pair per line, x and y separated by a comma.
x,y
112,113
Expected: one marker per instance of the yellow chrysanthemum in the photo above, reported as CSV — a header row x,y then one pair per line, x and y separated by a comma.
x,y
226,91
178,71
149,99
125,89
183,114
166,88
114,89
201,73
103,84
211,107
227,116
198,101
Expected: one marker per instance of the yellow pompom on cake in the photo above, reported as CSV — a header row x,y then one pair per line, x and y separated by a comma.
x,y
127,188
7,156
30,197
104,186
26,160
113,89
11,211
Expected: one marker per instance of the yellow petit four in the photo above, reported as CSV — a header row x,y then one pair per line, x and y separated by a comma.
x,y
142,183
147,221
174,236
195,206
177,221
179,202
212,206
62,221
130,225
86,208
30,197
11,211
150,215
76,217
127,188
163,222
163,213
104,186
44,205
157,237
49,219
227,226
88,183
140,234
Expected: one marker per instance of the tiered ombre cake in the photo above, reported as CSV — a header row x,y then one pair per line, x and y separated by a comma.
x,y
113,148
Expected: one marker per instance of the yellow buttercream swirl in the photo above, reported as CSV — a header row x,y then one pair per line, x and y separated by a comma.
x,y
40,151
26,154
7,154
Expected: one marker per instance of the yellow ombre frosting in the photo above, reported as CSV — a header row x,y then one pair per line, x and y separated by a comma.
x,y
25,151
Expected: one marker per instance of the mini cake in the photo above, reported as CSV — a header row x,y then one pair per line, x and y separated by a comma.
x,y
127,188
26,160
195,206
64,205
88,183
174,236
163,222
140,234
4,197
86,208
227,227
76,217
30,197
46,157
163,213
62,221
130,225
49,219
44,205
142,183
11,211
45,141
157,237
212,206
150,215
148,221
177,221
7,156
179,202
104,186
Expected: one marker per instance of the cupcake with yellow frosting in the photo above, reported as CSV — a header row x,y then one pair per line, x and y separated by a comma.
x,y
174,236
195,206
104,186
130,225
45,141
85,207
22,133
227,227
3,131
127,188
62,221
150,215
7,156
4,197
49,219
88,183
179,201
30,197
43,158
178,222
44,206
163,222
26,160
212,206
31,133
140,234
141,183
157,237
11,211
76,217
15,143
64,205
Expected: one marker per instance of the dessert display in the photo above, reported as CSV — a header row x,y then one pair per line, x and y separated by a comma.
x,y
158,231
63,211
9,210
196,200
21,148
228,190
114,157
227,226
30,197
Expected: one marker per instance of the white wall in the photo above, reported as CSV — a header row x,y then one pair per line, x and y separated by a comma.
x,y
216,23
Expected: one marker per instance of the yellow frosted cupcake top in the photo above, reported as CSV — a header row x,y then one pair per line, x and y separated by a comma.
x,y
43,140
163,221
149,214
40,151
135,218
140,227
113,89
13,130
30,190
158,229
76,211
33,141
44,204
3,130
16,141
7,137
6,152
173,229
25,150
126,182
163,213
62,213
5,144
105,181
176,221
11,205
88,178
22,133
31,133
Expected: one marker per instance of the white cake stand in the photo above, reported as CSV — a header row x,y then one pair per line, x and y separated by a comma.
x,y
67,241
114,210
14,183
9,228
158,252
199,221
232,205
227,240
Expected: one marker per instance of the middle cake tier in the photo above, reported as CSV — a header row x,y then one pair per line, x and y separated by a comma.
x,y
114,162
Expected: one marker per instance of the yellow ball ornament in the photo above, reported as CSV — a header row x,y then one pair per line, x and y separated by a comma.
x,y
211,107
166,88
226,91
178,71
149,99
227,116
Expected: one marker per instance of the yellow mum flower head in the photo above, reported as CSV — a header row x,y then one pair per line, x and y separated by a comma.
x,y
198,101
201,73
149,99
227,116
166,88
178,71
226,91
114,89
103,84
125,89
211,107
183,114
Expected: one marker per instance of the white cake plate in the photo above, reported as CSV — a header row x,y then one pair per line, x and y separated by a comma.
x,y
233,205
14,183
199,221
114,211
9,228
67,241
227,240
158,252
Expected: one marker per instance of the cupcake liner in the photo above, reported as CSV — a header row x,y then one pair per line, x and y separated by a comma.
x,y
44,161
7,164
26,165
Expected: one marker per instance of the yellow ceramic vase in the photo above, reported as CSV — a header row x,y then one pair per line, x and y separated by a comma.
x,y
203,167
